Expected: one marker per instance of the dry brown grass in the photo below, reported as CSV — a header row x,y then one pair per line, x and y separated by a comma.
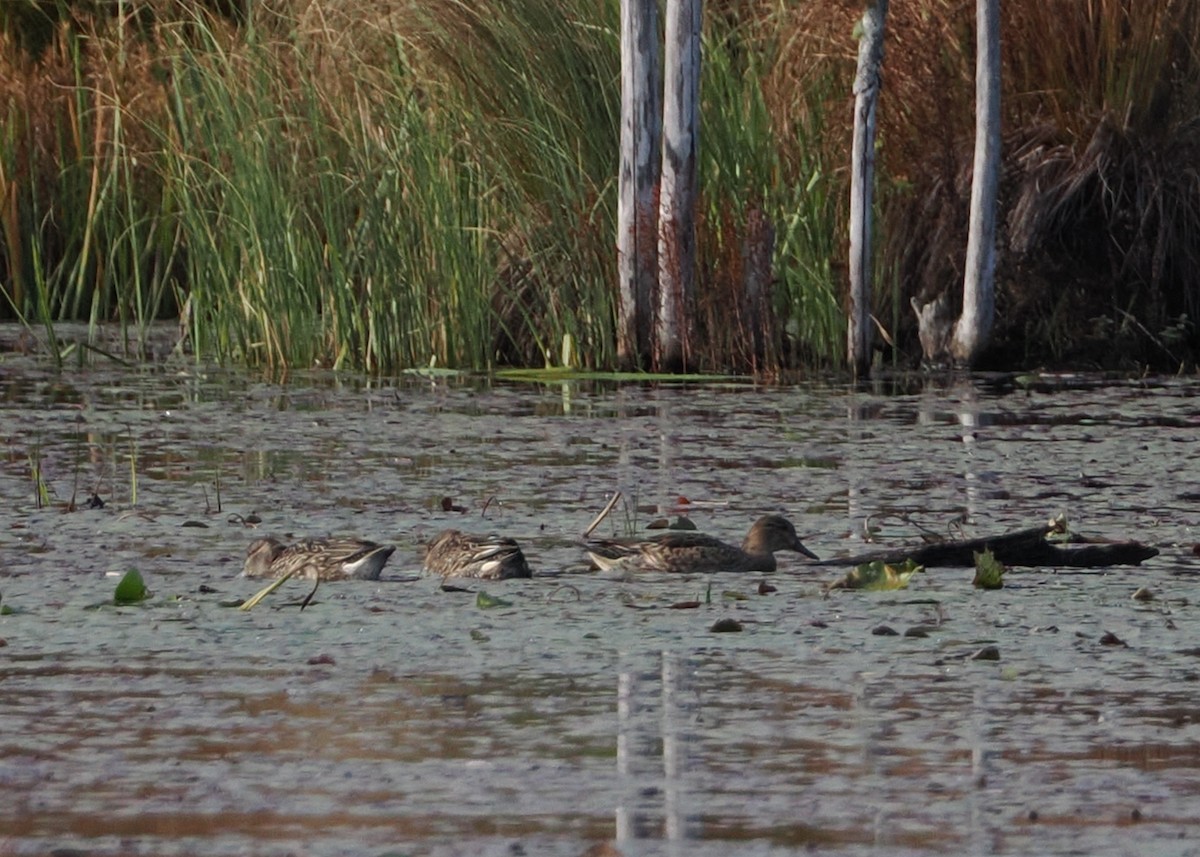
x,y
1100,192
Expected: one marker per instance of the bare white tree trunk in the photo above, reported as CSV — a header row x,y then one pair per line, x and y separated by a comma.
x,y
862,182
637,213
677,198
974,326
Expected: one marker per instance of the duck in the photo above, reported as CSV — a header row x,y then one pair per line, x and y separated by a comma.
x,y
453,553
692,552
317,559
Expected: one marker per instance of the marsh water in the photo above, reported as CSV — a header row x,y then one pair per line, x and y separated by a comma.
x,y
589,711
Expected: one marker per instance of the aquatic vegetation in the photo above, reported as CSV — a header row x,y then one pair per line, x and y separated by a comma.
x,y
131,589
879,576
369,194
484,601
258,597
41,490
989,571
324,186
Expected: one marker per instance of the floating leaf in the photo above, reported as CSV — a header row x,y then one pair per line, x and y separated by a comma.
x,y
131,589
1057,529
879,575
989,571
734,595
485,602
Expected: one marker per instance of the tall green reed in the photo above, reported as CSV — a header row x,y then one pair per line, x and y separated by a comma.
x,y
447,196
316,240
93,241
753,168
536,83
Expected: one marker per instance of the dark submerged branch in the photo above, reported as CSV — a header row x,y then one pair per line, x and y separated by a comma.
x,y
1027,548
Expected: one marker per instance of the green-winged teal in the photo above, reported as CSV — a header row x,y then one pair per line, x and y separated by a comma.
x,y
317,559
453,553
685,552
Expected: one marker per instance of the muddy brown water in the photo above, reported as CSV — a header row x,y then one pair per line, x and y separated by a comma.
x,y
393,717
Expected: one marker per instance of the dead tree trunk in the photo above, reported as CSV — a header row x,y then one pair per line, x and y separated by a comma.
x,y
1028,548
677,197
974,326
942,338
637,210
862,180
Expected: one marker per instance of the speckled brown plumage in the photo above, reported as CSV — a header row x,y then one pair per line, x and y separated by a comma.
x,y
690,552
453,553
317,559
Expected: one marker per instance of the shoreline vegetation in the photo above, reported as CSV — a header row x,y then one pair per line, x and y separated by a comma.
x,y
317,183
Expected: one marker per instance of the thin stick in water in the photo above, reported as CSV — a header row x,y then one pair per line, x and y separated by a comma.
x,y
252,602
603,514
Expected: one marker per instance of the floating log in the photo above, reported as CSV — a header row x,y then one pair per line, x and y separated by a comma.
x,y
1028,548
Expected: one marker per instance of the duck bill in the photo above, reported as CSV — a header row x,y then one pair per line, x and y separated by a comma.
x,y
801,549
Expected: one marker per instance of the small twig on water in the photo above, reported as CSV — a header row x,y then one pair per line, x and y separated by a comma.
x,y
552,595
310,595
603,514
253,601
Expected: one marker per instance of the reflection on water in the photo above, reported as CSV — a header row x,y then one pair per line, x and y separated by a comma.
x,y
655,714
393,717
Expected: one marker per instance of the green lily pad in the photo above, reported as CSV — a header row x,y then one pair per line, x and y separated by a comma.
x,y
131,589
989,571
879,576
485,602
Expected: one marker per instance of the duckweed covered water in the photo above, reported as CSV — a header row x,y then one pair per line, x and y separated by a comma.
x,y
397,718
